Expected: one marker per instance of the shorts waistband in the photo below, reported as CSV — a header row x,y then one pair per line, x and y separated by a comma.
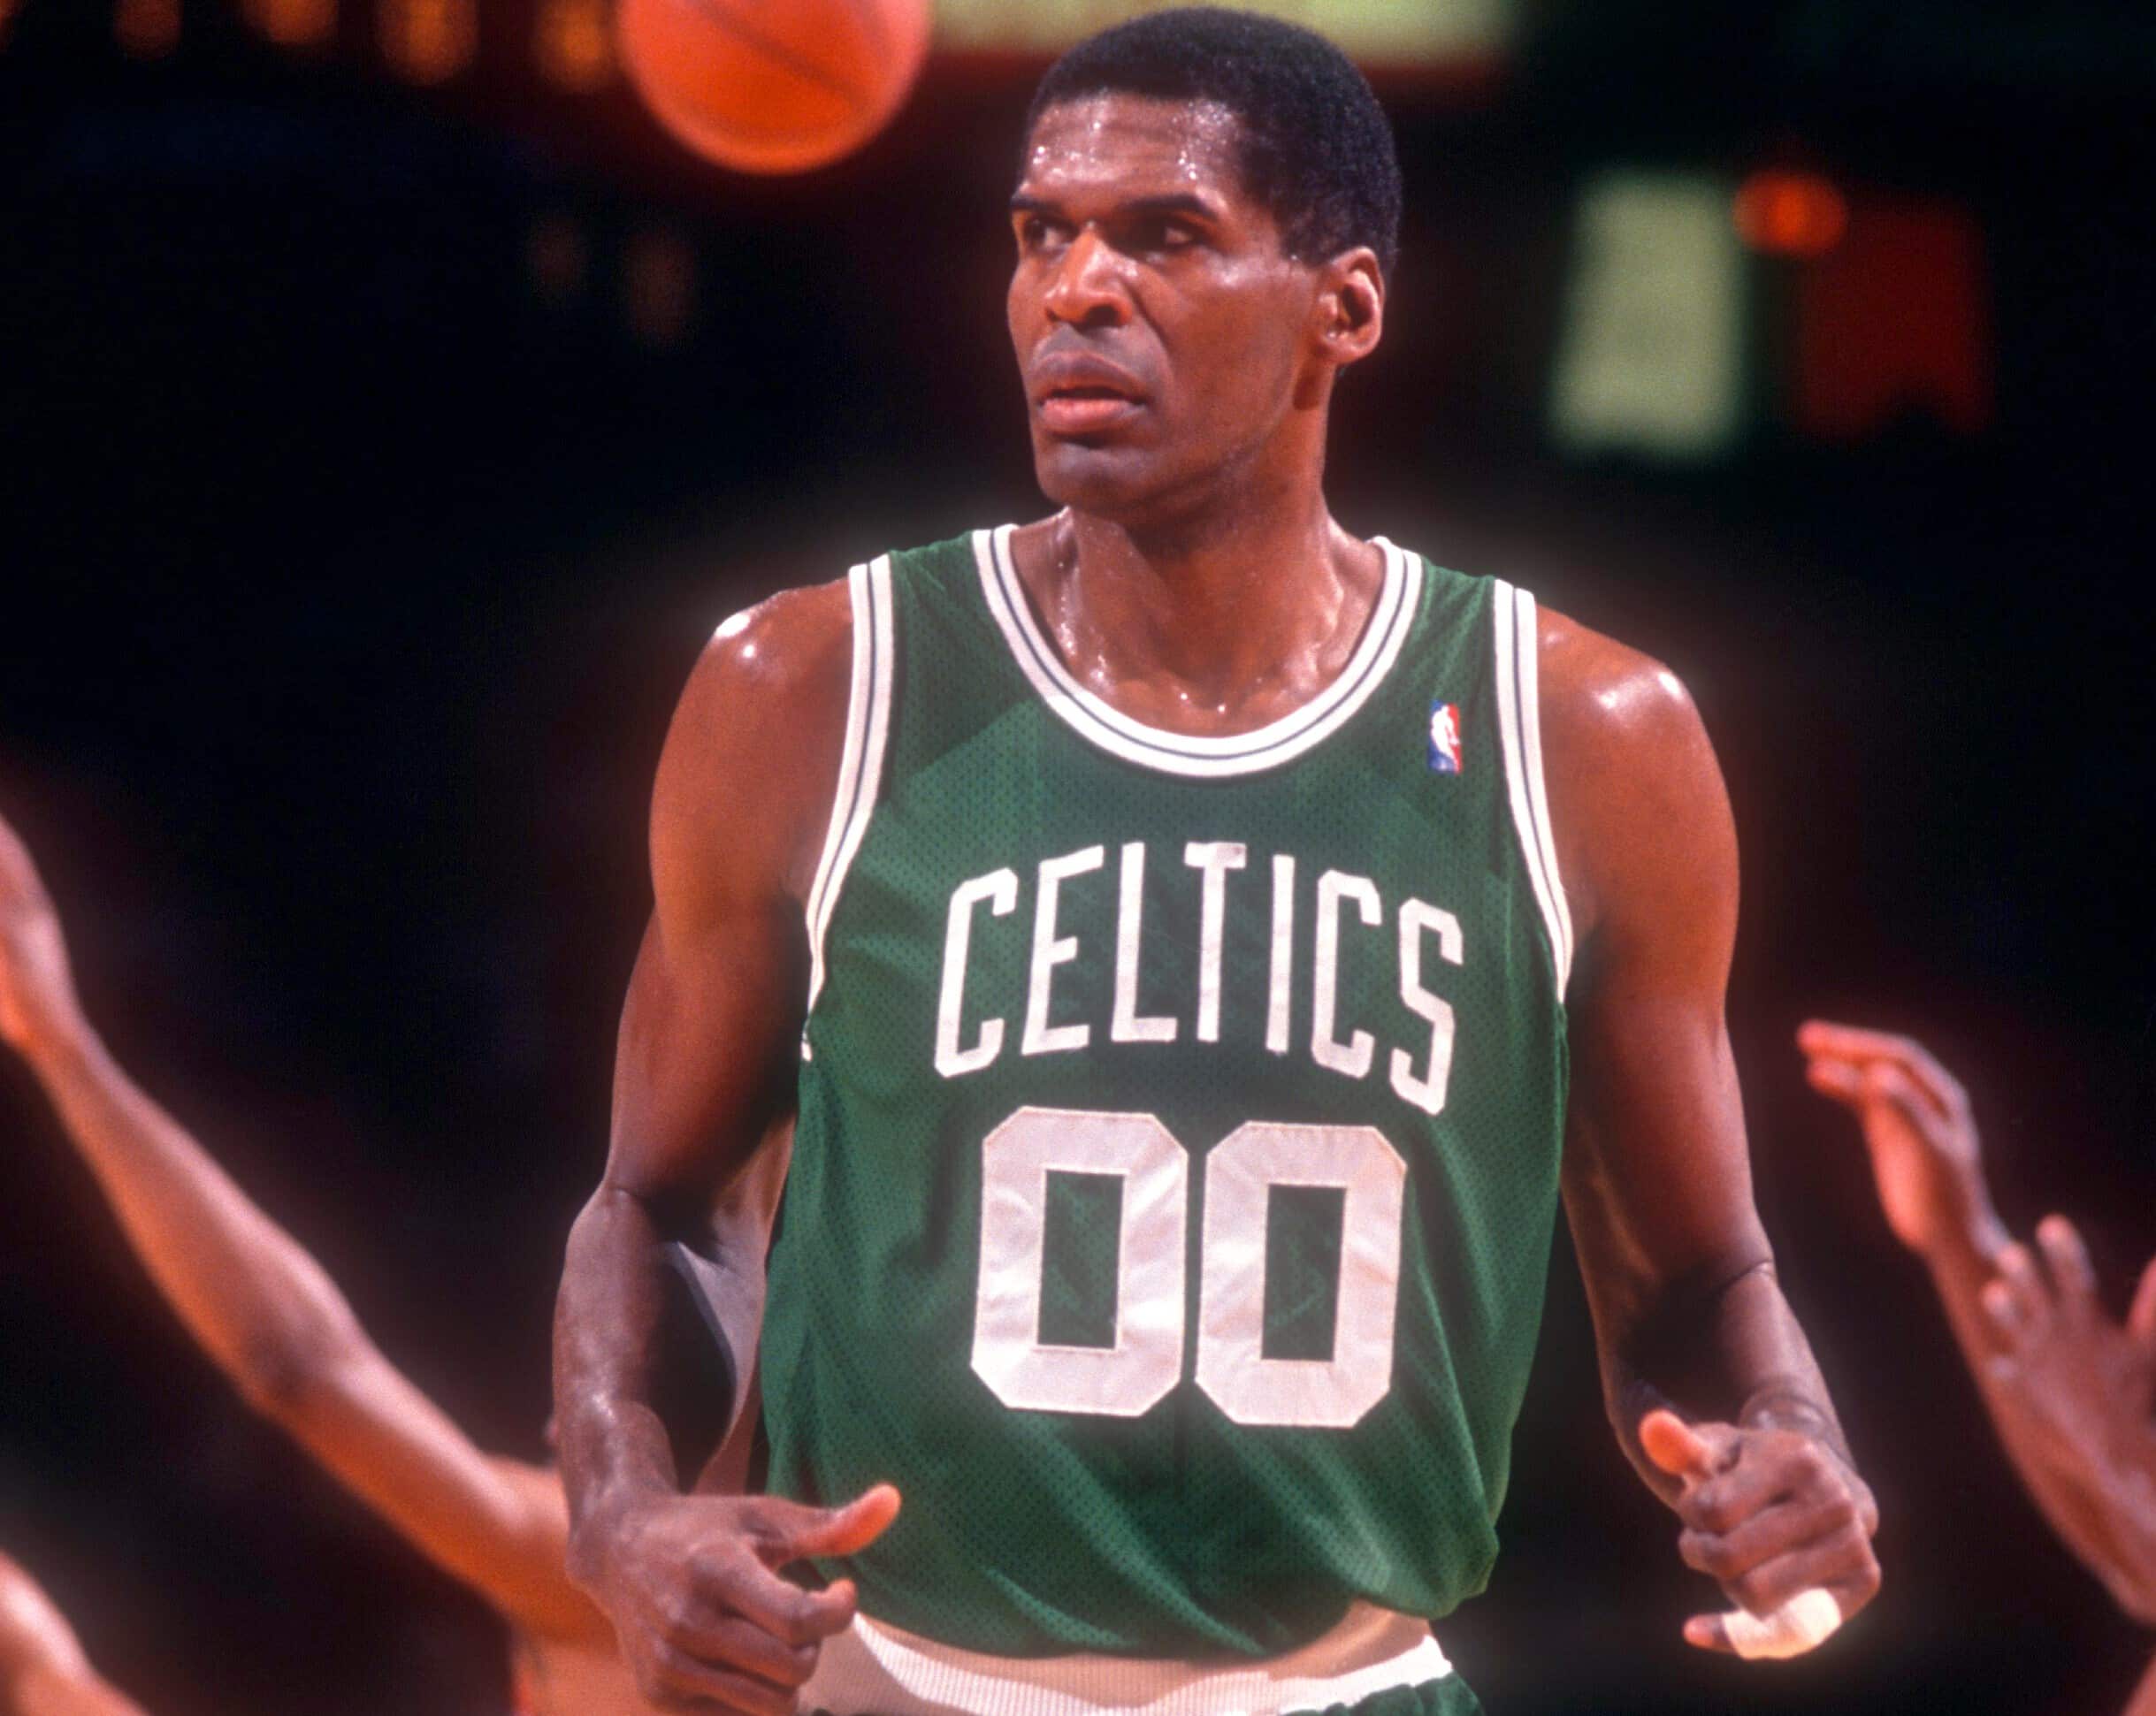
x,y
876,1669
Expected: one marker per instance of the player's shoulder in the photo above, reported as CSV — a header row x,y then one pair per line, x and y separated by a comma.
x,y
1636,796
751,756
794,646
1607,701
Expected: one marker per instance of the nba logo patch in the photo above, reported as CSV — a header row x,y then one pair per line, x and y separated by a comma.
x,y
1444,739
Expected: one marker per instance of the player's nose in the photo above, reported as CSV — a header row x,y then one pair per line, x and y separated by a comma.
x,y
1086,288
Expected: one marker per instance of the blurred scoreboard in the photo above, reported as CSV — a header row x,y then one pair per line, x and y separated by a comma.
x,y
1384,31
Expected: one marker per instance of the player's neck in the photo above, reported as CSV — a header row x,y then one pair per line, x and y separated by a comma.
x,y
1197,622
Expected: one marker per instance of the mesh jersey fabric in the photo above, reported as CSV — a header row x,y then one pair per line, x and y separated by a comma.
x,y
1178,1136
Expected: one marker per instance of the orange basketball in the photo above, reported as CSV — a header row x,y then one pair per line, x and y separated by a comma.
x,y
773,85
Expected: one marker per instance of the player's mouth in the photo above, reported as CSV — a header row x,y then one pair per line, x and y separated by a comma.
x,y
1079,394
1085,410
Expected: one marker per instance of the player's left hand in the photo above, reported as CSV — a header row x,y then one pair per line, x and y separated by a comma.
x,y
1778,1517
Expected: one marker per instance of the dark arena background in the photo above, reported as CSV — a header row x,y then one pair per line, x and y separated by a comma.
x,y
389,411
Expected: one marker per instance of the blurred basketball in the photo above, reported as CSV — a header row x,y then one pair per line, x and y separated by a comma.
x,y
773,85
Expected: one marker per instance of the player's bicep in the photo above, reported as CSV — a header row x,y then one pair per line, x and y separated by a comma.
x,y
709,1032
711,1026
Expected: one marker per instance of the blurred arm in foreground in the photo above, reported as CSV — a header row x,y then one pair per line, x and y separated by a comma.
x,y
2069,1390
43,1670
272,1319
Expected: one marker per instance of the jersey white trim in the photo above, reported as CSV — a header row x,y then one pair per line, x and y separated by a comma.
x,y
1519,725
876,1669
860,767
1209,757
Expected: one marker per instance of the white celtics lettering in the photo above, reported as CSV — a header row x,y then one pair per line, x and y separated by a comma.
x,y
1352,1056
1130,1025
1348,915
1050,951
1214,858
999,888
1426,1093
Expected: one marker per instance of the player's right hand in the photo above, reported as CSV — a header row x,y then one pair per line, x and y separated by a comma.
x,y
1925,1153
37,991
691,1585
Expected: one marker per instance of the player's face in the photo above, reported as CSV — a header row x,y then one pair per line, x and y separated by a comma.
x,y
1163,331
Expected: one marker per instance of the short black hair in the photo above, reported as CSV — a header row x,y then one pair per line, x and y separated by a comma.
x,y
1316,149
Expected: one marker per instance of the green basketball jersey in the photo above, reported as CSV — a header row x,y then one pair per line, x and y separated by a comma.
x,y
1179,1131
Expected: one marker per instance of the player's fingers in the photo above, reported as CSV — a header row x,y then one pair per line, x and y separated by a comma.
x,y
1848,1042
1841,1562
1678,1448
1709,1632
747,1587
790,1531
2025,1289
2003,1312
1777,1530
677,1681
1939,1088
1884,1081
1802,1624
1766,1471
2141,1319
739,1645
1842,1080
2067,1258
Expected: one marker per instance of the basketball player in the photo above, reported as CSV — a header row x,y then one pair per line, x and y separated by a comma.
x,y
1188,932
43,1670
2070,1392
264,1312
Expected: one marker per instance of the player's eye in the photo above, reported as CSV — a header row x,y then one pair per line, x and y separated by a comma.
x,y
1037,232
1159,234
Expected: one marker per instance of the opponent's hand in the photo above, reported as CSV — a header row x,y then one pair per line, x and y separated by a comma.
x,y
1925,1153
2077,1391
691,1585
1775,1516
2083,1378
38,990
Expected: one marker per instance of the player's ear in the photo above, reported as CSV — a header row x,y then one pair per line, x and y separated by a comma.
x,y
1351,306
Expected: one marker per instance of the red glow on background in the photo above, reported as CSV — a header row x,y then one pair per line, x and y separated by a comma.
x,y
1787,213
294,23
1896,321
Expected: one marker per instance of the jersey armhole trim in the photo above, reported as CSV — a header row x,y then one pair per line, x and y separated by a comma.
x,y
1519,725
860,767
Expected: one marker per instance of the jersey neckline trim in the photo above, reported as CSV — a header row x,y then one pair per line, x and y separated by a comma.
x,y
1204,756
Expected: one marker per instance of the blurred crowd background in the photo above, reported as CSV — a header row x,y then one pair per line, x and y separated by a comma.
x,y
388,412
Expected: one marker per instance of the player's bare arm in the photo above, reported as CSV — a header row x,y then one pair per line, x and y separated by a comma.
x,y
2068,1390
709,1038
264,1309
1709,1382
43,1671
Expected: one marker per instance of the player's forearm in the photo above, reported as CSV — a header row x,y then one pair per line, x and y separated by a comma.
x,y
1732,1351
250,1294
616,1449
